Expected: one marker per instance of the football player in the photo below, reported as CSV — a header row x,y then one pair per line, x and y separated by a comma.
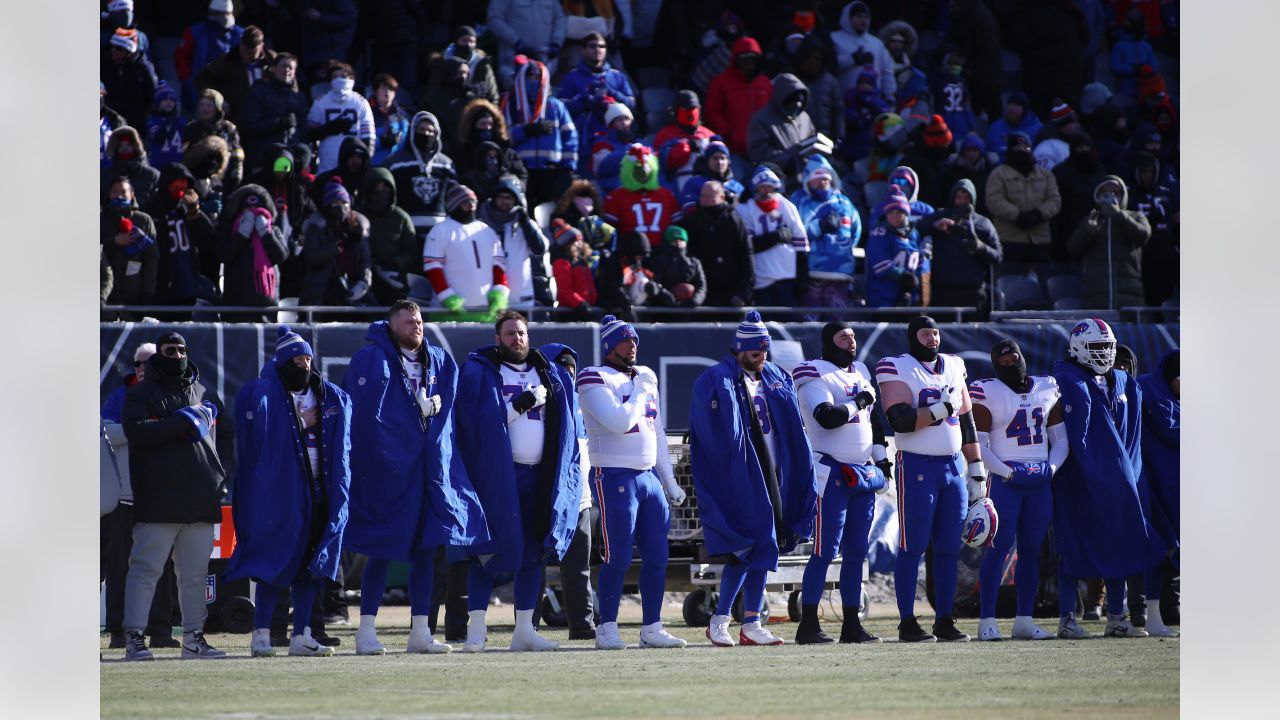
x,y
1023,442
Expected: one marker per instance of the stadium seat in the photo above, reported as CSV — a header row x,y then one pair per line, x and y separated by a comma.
x,y
542,216
657,99
419,287
653,122
1068,303
648,77
1019,292
1064,286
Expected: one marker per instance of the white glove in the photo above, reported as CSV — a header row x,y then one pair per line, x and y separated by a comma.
x,y
675,494
428,405
115,435
260,224
645,382
940,410
977,481
245,226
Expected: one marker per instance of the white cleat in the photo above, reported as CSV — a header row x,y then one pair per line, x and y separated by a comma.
x,y
426,643
1024,628
988,630
1069,629
367,642
528,640
654,636
753,633
607,637
304,646
1118,626
1160,630
718,631
260,643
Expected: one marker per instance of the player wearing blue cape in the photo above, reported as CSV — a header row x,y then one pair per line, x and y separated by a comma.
x,y
753,473
1161,423
519,440
409,492
1100,498
293,447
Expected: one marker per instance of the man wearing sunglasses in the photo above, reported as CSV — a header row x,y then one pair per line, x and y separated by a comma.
x,y
589,89
176,443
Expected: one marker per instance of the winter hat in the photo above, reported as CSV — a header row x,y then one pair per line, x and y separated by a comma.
x,y
895,200
973,140
163,91
1018,98
456,196
868,75
126,39
1062,114
674,233
615,111
169,338
751,335
116,5
762,175
1094,96
715,146
936,133
464,31
1017,134
334,191
966,185
614,331
290,345
564,233
687,99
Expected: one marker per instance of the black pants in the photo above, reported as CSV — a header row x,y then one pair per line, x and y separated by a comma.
x,y
449,588
575,574
780,293
116,542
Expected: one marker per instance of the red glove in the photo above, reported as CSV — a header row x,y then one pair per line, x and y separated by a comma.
x,y
679,154
126,225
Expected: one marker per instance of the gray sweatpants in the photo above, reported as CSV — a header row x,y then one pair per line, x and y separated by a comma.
x,y
191,546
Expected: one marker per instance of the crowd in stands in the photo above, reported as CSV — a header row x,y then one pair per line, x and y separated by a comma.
x,y
614,155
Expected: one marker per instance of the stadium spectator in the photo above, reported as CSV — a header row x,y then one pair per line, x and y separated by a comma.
x,y
778,241
1063,123
128,77
483,81
682,141
1017,118
127,157
1161,429
713,164
1077,176
208,159
542,131
965,247
128,238
590,89
1155,195
927,157
120,15
826,97
609,147
423,173
164,127
718,238
951,92
624,279
715,51
390,119
534,29
912,95
289,186
328,27
335,248
1049,36
640,204
523,243
203,43
579,201
394,29
338,114
888,136
168,419
183,233
736,94
393,246
971,162
273,110
449,258
782,132
353,165
482,122
894,273
108,122
856,46
210,122
1129,52
291,506
573,269
234,73
907,183
250,247
678,276
449,96
1109,244
834,229
1022,198
973,31
863,105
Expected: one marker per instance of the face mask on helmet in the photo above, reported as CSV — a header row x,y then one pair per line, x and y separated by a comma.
x,y
1093,346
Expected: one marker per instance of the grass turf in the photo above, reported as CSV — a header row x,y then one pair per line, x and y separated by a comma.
x,y
1098,678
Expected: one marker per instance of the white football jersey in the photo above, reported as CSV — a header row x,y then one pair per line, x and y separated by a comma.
x,y
762,412
637,447
819,381
1018,420
467,254
946,382
528,430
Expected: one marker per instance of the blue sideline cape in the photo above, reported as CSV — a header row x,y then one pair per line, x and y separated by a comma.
x,y
1161,419
733,501
1100,500
485,448
409,491
271,505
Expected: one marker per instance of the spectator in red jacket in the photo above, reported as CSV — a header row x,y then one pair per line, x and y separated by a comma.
x,y
683,139
737,93
575,281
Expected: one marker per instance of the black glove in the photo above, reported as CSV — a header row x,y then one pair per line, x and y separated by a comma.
x,y
1024,219
288,120
909,282
652,288
862,57
525,402
764,241
830,223
1037,217
784,234
864,400
335,126
886,467
534,129
388,140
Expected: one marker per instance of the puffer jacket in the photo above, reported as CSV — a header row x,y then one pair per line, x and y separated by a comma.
x,y
1110,246
1009,192
733,98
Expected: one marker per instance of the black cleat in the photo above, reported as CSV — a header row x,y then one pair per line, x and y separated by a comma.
x,y
279,639
164,641
945,630
324,638
909,631
809,631
582,632
117,641
852,630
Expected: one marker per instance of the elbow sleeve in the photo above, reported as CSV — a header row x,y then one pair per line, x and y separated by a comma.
x,y
968,431
990,459
902,418
831,416
1059,448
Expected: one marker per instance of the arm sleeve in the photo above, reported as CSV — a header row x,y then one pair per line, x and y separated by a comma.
x,y
989,457
1059,448
663,467
617,417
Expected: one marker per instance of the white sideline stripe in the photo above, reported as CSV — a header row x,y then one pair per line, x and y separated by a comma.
x,y
1167,336
870,342
222,395
111,356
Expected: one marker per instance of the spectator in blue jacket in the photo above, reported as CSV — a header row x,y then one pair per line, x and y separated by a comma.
x,y
964,247
526,27
1130,52
893,257
390,120
164,127
1017,118
542,132
589,89
834,229
203,43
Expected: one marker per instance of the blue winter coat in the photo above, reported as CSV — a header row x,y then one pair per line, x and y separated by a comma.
x,y
997,130
485,448
1161,423
164,139
579,90
1101,502
271,506
733,501
889,257
542,151
409,492
830,254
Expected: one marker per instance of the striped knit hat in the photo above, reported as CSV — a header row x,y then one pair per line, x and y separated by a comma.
x,y
455,197
614,331
751,335
290,345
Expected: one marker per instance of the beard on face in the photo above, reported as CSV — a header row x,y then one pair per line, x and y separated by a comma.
x,y
512,355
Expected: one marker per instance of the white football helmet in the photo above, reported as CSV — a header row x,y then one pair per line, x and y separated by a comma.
x,y
980,524
1093,345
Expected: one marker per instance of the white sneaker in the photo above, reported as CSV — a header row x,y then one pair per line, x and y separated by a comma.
x,y
528,640
988,630
1069,629
607,637
1160,630
654,636
718,631
1024,628
753,633
303,645
427,643
1118,626
260,643
367,641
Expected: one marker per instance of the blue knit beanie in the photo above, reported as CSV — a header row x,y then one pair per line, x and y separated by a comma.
x,y
614,331
751,335
290,345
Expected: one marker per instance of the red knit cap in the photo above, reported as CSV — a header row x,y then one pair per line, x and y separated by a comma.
x,y
936,133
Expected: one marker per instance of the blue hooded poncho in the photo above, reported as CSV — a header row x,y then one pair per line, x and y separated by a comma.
x,y
1161,422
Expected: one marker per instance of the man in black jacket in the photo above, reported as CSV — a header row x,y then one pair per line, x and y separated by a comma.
x,y
718,239
965,247
170,420
275,111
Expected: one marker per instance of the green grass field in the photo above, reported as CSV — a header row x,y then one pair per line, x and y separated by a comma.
x,y
1099,678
